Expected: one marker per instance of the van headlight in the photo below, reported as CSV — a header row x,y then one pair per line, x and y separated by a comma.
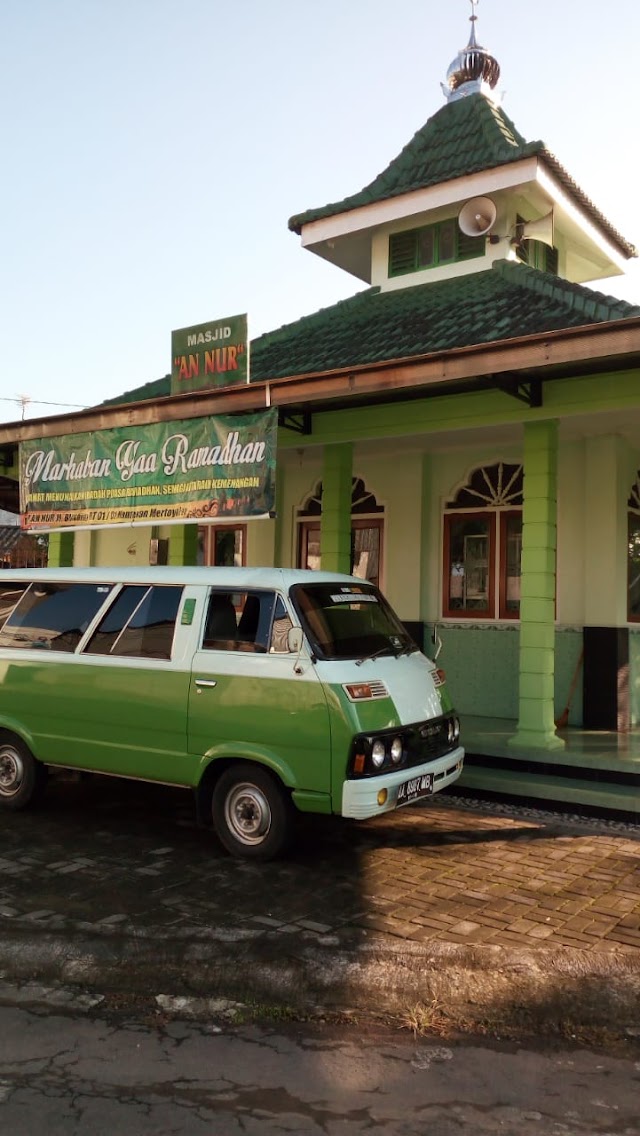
x,y
378,753
453,730
397,749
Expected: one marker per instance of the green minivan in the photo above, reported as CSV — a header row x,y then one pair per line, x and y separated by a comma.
x,y
265,691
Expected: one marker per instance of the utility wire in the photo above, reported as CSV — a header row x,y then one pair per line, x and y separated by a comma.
x,y
41,402
24,401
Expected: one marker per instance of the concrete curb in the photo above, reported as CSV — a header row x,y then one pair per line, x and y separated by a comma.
x,y
547,988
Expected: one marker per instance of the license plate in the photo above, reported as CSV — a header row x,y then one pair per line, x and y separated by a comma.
x,y
415,789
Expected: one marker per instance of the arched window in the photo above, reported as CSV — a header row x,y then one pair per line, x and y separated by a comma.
x,y
633,553
367,526
482,543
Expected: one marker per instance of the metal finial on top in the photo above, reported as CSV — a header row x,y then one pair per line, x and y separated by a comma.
x,y
474,68
472,19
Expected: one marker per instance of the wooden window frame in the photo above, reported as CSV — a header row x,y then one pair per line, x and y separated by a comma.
x,y
503,612
633,518
459,613
304,528
308,524
209,544
497,522
372,523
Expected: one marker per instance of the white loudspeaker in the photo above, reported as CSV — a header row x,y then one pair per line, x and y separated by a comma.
x,y
477,217
540,230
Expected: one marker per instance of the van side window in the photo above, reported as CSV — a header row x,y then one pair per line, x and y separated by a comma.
x,y
53,617
9,597
239,621
139,624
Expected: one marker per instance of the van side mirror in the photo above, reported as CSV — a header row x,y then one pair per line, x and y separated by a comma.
x,y
294,640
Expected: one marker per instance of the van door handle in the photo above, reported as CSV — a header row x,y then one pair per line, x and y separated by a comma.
x,y
205,682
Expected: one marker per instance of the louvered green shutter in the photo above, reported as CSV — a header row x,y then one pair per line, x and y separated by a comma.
x,y
402,252
469,247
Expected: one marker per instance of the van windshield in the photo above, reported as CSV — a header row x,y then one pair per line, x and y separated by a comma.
x,y
349,621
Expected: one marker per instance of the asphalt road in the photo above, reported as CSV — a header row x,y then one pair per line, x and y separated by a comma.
x,y
88,1074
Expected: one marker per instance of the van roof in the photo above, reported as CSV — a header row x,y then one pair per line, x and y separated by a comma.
x,y
239,578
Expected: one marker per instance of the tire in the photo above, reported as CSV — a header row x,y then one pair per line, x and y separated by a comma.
x,y
22,778
252,814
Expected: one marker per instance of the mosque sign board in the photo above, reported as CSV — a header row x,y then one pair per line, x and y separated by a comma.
x,y
209,355
198,469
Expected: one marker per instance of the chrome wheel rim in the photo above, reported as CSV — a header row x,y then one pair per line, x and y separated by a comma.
x,y
11,771
247,814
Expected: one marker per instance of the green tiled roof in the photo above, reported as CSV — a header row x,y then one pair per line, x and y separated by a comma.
x,y
464,137
509,301
373,326
157,388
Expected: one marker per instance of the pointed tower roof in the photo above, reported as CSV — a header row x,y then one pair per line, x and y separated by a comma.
x,y
464,137
470,135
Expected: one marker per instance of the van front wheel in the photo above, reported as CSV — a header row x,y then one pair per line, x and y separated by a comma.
x,y
22,778
252,815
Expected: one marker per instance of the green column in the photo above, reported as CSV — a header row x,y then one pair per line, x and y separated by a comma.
x,y
335,529
425,539
538,590
61,548
278,526
183,545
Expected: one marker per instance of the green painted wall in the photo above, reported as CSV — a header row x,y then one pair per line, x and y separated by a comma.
x,y
261,544
127,547
606,490
476,687
336,508
481,662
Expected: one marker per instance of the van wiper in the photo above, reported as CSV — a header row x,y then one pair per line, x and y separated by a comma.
x,y
408,649
388,649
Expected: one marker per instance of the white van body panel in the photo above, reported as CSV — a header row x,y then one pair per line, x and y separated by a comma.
x,y
408,680
360,798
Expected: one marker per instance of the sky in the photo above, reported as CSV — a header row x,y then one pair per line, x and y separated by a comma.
x,y
154,151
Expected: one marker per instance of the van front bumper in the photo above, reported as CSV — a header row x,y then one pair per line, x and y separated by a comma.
x,y
361,796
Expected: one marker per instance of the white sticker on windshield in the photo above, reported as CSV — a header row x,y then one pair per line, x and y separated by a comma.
x,y
355,597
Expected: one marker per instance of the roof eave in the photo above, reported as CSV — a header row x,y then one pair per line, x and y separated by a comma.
x,y
510,175
556,171
617,342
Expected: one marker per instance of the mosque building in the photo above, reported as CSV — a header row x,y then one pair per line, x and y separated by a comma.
x,y
465,432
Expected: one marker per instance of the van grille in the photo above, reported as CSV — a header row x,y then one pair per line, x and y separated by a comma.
x,y
427,741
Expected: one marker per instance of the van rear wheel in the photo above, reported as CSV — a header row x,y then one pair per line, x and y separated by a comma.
x,y
252,814
22,778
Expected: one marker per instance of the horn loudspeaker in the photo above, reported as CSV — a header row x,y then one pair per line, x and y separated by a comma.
x,y
477,217
540,230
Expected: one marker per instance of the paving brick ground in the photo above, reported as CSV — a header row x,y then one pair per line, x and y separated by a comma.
x,y
107,857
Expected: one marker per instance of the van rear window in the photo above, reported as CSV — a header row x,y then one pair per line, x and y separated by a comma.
x,y
9,596
140,623
52,616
